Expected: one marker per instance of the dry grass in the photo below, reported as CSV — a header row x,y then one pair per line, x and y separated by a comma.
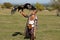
x,y
48,25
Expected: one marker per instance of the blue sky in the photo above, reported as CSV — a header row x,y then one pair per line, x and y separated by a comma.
x,y
25,1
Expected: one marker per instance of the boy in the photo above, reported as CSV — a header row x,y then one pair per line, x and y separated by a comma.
x,y
31,22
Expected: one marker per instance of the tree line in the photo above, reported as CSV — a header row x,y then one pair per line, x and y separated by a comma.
x,y
55,5
9,5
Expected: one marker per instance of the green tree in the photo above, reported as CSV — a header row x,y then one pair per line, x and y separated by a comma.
x,y
2,6
7,5
56,5
39,6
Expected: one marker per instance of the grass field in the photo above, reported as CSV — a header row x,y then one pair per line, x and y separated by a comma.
x,y
48,25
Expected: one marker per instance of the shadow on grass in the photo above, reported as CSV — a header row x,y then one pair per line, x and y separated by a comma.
x,y
17,33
